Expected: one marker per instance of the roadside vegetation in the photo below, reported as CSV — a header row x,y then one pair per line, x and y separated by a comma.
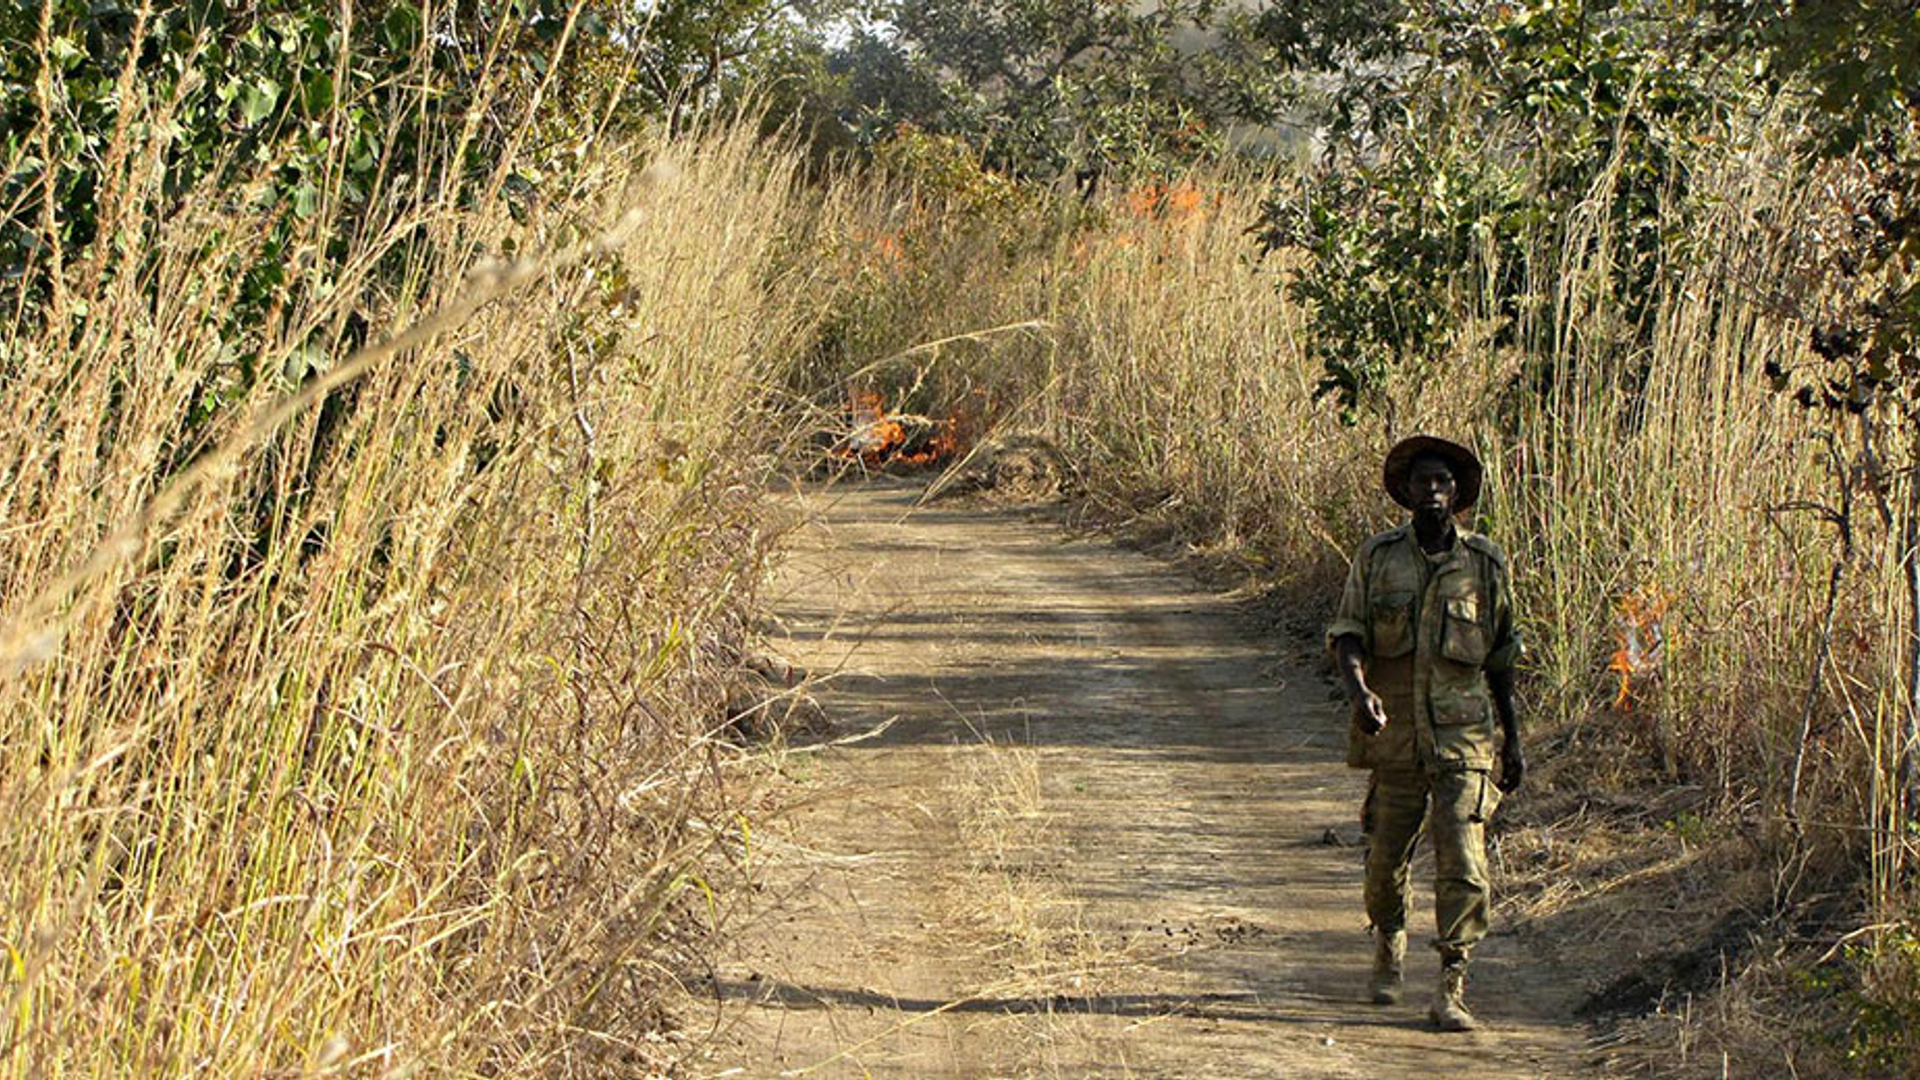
x,y
393,399
380,541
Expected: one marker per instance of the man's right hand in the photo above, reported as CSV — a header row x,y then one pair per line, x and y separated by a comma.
x,y
1369,713
1513,766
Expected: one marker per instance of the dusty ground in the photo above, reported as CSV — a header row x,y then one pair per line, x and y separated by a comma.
x,y
1107,833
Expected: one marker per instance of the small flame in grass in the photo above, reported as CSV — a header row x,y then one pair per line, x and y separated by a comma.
x,y
1182,202
881,436
1640,638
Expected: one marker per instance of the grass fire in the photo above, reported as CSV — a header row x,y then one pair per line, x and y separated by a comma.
x,y
878,437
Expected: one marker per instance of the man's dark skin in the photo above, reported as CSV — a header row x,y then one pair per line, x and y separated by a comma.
x,y
1432,490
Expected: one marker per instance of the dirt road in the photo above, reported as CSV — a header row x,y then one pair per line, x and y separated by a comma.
x,y
1106,834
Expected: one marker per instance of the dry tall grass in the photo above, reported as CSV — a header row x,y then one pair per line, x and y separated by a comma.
x,y
379,737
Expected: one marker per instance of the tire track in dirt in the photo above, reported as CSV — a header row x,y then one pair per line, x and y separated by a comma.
x,y
1093,842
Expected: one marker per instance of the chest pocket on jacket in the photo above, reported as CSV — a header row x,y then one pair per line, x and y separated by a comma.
x,y
1463,640
1392,625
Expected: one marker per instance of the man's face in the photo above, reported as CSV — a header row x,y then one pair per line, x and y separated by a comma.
x,y
1431,488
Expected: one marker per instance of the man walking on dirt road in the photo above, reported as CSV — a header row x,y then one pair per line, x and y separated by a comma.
x,y
1424,639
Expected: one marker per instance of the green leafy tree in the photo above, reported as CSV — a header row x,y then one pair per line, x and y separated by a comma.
x,y
693,54
1474,147
320,103
312,104
1085,89
1390,248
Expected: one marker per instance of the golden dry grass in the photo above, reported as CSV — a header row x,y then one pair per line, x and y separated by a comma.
x,y
369,723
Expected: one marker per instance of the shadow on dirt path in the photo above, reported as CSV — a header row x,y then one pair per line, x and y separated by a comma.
x,y
1107,833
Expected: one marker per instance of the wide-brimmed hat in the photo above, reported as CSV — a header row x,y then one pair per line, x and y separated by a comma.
x,y
1466,468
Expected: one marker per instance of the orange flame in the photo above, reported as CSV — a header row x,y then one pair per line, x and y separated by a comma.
x,y
888,250
1181,203
1640,636
881,436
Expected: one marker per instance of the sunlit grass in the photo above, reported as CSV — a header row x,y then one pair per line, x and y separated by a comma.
x,y
360,727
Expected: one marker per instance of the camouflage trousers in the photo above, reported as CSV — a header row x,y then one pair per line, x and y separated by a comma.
x,y
1396,807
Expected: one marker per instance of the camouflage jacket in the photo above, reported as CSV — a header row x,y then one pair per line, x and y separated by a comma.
x,y
1431,626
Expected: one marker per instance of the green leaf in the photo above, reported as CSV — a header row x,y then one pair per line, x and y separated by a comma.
x,y
306,198
401,27
65,52
258,100
318,93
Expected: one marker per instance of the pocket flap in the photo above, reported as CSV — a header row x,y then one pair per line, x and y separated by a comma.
x,y
1392,625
